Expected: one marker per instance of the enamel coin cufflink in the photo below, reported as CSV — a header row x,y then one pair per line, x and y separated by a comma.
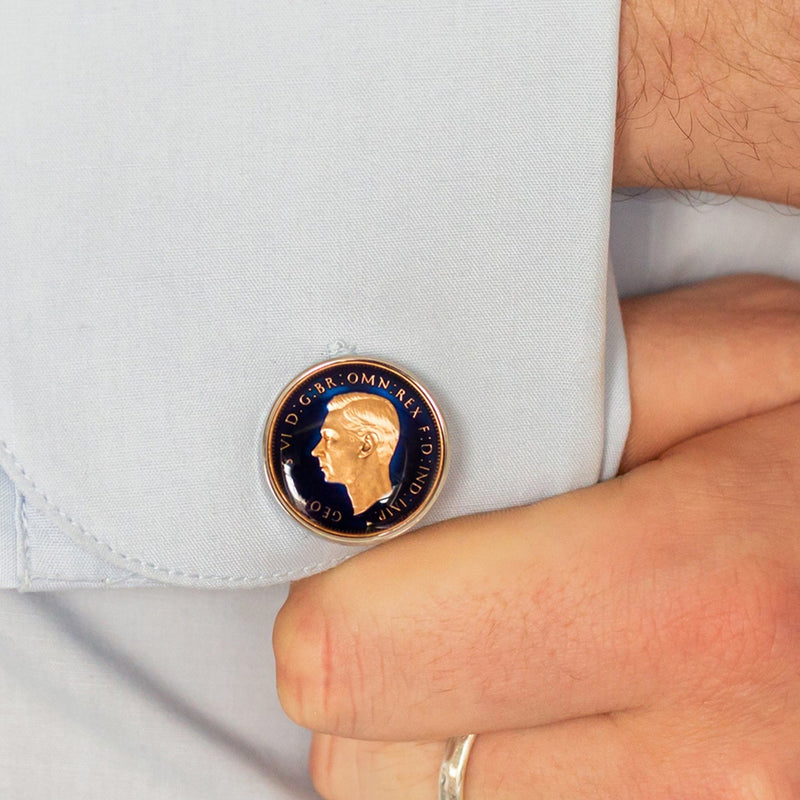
x,y
356,450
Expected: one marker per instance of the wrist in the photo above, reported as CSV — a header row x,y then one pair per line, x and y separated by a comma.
x,y
709,96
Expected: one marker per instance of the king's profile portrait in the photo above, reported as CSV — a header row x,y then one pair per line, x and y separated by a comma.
x,y
358,438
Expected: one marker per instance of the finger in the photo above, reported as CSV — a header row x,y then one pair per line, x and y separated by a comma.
x,y
354,769
705,355
591,602
602,758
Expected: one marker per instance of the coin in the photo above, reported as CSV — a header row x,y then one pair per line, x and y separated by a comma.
x,y
355,449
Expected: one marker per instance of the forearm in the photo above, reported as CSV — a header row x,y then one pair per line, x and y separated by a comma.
x,y
709,97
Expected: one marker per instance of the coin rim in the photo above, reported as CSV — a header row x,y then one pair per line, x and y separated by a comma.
x,y
360,538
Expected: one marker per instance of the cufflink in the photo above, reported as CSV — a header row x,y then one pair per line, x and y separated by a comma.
x,y
356,450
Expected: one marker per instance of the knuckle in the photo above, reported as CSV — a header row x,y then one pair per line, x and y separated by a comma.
x,y
763,618
743,626
319,670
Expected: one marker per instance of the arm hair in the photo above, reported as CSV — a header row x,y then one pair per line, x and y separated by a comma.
x,y
709,97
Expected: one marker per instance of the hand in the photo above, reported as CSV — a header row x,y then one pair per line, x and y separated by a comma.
x,y
636,639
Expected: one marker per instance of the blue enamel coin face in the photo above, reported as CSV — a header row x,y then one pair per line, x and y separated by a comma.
x,y
355,449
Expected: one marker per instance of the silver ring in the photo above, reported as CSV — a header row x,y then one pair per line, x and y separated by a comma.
x,y
454,767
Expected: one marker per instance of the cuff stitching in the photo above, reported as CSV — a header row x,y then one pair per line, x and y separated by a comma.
x,y
82,532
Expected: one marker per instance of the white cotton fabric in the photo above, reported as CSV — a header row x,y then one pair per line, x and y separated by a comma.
x,y
199,202
8,538
162,694
663,239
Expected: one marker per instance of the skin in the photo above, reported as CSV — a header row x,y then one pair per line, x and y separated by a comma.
x,y
709,97
638,639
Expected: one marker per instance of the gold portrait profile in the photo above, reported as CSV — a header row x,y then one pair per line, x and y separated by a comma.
x,y
358,438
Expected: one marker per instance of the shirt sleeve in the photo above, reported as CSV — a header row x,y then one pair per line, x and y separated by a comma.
x,y
201,202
